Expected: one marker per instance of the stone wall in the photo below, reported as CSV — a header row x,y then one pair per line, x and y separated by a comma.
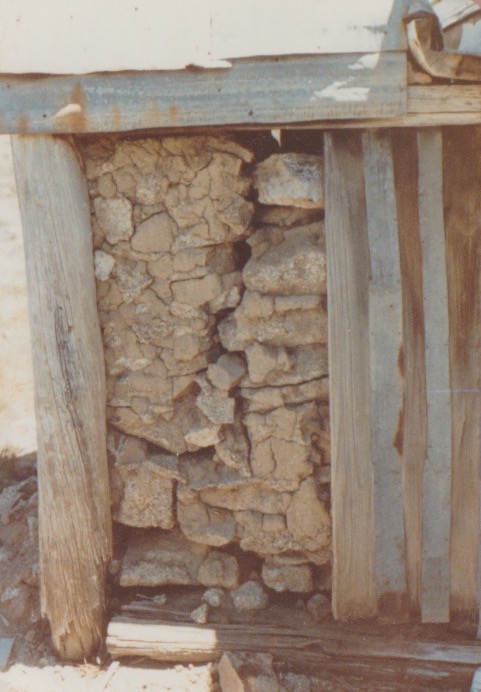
x,y
210,271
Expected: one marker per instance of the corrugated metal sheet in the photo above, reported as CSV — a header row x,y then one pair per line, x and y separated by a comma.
x,y
83,36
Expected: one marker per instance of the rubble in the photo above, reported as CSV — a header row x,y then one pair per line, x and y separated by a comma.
x,y
291,180
249,596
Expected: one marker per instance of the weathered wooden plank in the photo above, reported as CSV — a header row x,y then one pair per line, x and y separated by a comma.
x,y
452,98
354,584
128,636
386,376
74,521
290,89
437,470
76,37
414,410
462,201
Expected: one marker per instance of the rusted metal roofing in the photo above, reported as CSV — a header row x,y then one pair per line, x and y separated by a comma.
x,y
84,36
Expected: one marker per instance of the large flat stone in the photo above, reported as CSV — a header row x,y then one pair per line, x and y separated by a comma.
x,y
291,180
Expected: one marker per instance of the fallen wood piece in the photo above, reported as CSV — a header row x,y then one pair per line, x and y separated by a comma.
x,y
198,643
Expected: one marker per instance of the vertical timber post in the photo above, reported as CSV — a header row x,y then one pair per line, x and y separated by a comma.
x,y
74,504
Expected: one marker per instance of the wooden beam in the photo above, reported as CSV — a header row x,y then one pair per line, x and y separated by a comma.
x,y
414,408
128,636
437,470
74,521
462,201
252,91
386,373
354,583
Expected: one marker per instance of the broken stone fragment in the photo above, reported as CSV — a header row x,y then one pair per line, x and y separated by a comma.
x,y
273,366
214,403
295,328
156,558
307,516
234,449
296,682
214,597
295,578
294,267
114,217
103,265
212,526
200,615
250,596
249,495
318,607
291,179
247,672
287,217
147,496
265,399
227,371
219,570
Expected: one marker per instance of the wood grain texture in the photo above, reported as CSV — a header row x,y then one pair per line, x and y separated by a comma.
x,y
75,523
437,469
252,91
184,641
462,173
414,408
354,584
386,374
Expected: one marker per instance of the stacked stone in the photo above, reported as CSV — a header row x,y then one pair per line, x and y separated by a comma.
x,y
216,372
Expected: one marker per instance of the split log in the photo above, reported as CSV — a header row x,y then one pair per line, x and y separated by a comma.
x,y
437,469
354,585
386,374
414,408
74,521
462,172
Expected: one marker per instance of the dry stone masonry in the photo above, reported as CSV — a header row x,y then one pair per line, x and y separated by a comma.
x,y
211,281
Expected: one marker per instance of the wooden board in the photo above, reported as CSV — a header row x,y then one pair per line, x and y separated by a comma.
x,y
414,409
82,36
450,12
462,173
127,636
437,470
347,248
386,373
74,501
253,91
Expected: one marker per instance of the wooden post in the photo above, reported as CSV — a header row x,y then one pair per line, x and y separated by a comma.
x,y
437,469
462,172
354,586
75,524
386,373
414,409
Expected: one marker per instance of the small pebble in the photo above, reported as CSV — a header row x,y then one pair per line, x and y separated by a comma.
x,y
200,614
250,596
43,661
214,597
160,600
318,607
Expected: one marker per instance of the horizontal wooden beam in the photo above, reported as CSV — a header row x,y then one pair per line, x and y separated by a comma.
x,y
251,92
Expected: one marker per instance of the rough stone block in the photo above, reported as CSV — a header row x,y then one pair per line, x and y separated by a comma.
x,y
292,179
114,216
250,596
295,578
159,557
219,570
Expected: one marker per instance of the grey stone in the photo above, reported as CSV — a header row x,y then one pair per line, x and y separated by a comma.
x,y
200,615
214,403
247,672
114,217
294,267
277,367
146,497
158,557
227,371
219,570
291,180
103,265
296,682
214,597
250,596
295,578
